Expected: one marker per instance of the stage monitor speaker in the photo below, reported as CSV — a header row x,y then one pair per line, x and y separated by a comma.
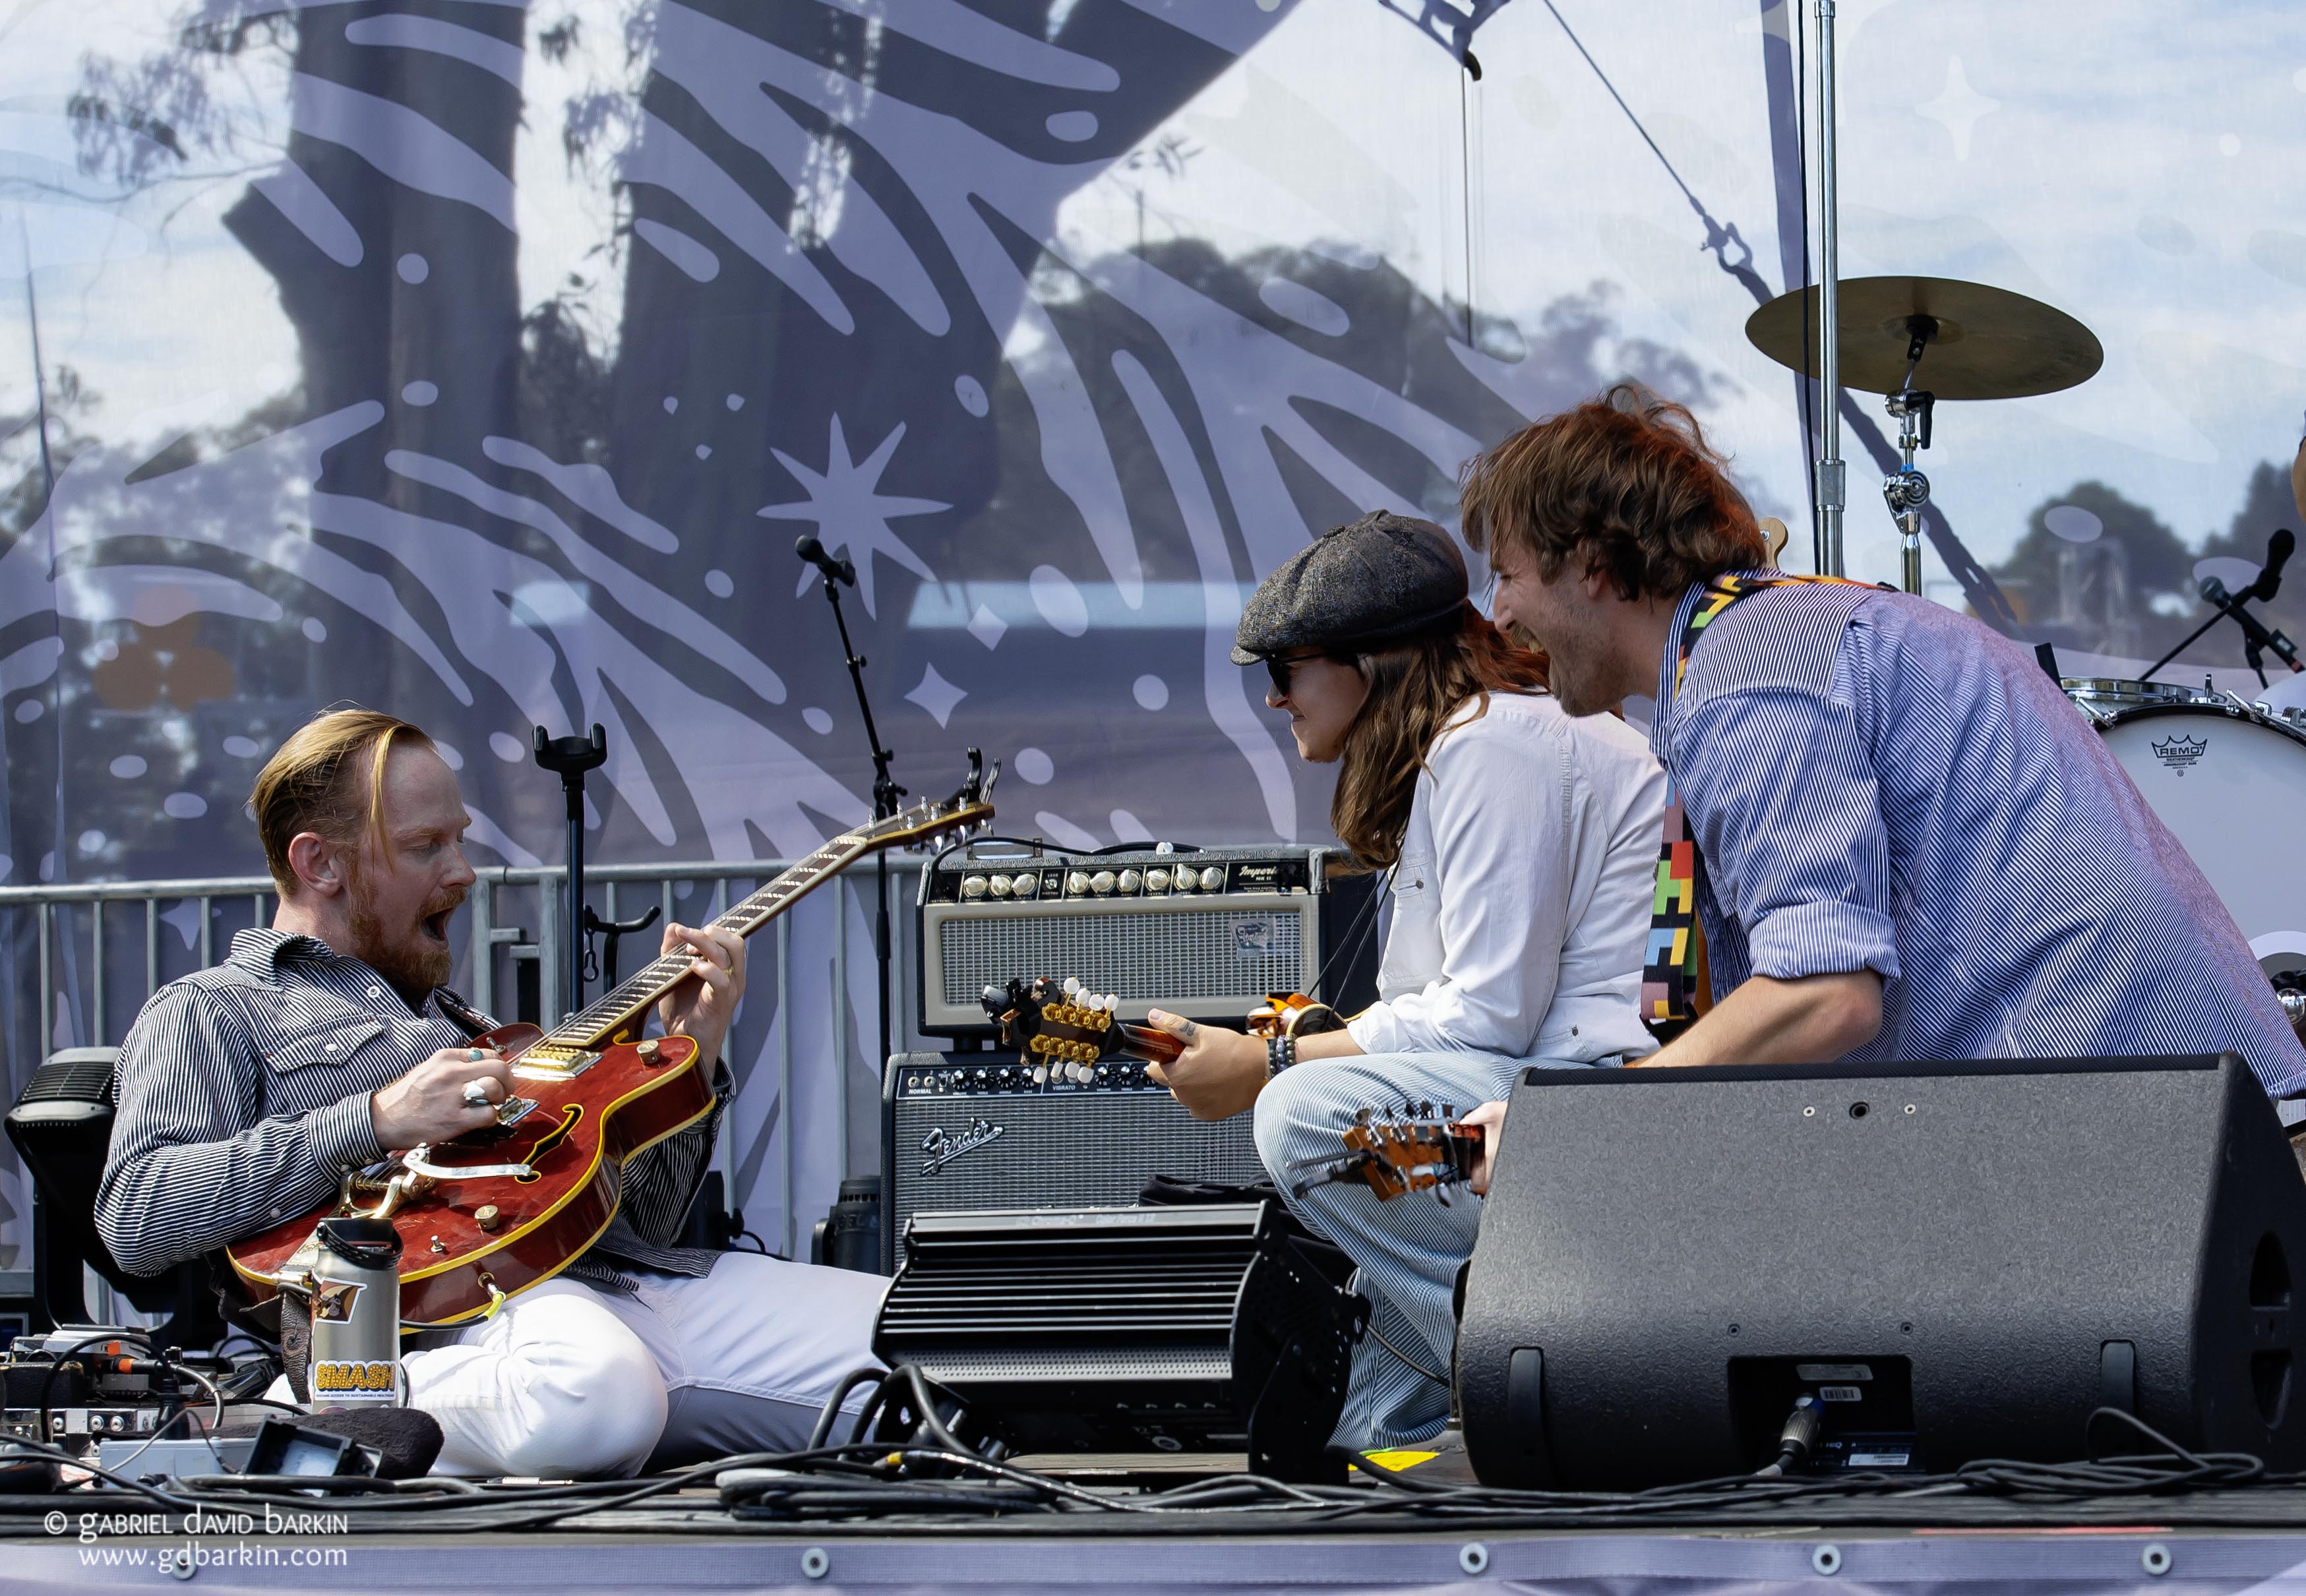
x,y
1222,1326
1960,1261
1209,934
971,1132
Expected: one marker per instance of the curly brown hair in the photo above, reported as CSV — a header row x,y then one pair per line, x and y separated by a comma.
x,y
1414,687
1626,484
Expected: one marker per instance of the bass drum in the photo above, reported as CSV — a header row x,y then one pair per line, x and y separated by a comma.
x,y
2229,779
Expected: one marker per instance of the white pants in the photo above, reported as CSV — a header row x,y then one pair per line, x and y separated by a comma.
x,y
570,1381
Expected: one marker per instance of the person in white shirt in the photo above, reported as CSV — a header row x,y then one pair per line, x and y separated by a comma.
x,y
1520,846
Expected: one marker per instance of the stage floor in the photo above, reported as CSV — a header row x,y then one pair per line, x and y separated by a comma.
x,y
2204,1543
702,1556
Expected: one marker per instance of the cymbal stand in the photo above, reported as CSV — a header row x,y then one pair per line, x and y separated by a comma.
x,y
1905,489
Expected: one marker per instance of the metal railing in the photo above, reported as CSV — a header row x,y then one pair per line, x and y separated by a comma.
x,y
85,933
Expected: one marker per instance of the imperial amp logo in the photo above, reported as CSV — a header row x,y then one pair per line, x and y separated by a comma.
x,y
2179,754
344,1378
940,1149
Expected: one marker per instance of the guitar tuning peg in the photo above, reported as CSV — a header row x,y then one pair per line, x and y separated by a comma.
x,y
1072,986
1361,1116
1448,1111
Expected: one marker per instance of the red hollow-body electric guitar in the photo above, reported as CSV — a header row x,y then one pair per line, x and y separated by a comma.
x,y
505,1207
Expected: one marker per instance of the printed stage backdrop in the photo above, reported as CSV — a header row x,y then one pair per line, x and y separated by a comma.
x,y
482,359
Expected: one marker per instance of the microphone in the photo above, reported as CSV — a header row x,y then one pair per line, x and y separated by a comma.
x,y
2278,549
835,570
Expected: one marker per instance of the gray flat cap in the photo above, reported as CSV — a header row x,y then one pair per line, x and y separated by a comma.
x,y
1384,575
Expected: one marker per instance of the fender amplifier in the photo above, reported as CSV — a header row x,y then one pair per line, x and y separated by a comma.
x,y
1208,934
971,1132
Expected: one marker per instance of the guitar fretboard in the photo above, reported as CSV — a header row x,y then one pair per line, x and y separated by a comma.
x,y
613,1010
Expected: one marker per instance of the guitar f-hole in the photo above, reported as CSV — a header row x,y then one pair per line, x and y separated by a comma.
x,y
569,1117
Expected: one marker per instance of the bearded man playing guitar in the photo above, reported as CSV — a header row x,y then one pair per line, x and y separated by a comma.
x,y
248,1092
1520,844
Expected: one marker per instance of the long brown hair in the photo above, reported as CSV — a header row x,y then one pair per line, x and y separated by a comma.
x,y
1415,686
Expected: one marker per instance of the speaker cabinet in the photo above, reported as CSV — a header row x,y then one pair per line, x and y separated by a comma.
x,y
1961,1260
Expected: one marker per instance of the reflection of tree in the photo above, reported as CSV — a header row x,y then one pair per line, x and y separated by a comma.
x,y
61,406
2133,591
2266,505
2128,591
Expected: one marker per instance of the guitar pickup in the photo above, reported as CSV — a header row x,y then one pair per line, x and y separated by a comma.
x,y
553,1066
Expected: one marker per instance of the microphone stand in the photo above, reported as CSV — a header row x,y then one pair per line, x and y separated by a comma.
x,y
886,793
570,757
2232,607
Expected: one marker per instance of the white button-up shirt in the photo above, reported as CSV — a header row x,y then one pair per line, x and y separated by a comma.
x,y
1521,902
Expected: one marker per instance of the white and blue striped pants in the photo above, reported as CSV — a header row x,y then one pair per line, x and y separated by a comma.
x,y
1408,1251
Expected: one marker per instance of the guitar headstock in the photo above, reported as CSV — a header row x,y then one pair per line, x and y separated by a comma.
x,y
1393,1157
1049,1023
926,821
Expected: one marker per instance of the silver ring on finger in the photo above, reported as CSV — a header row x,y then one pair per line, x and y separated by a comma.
x,y
476,1094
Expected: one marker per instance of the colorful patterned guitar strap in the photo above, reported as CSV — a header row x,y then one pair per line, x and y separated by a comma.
x,y
1670,998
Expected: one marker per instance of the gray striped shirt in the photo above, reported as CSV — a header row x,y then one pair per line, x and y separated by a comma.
x,y
243,1097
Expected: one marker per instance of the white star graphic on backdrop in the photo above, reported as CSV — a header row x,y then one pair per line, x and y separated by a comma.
x,y
1958,108
935,695
851,518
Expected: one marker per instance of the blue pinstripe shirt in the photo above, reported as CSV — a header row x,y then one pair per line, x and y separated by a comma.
x,y
1874,781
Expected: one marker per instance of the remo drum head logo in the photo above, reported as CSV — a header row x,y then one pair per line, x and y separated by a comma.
x,y
2180,753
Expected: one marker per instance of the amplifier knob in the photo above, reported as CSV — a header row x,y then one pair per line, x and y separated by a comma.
x,y
1212,879
972,886
1101,883
1183,879
1025,886
998,886
1076,883
1131,881
1157,880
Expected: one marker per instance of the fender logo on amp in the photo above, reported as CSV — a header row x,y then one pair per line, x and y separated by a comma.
x,y
943,1149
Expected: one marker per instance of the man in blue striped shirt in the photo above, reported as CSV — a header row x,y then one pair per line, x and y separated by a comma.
x,y
249,1090
1912,846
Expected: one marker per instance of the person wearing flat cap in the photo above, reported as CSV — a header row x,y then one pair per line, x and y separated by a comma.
x,y
1520,845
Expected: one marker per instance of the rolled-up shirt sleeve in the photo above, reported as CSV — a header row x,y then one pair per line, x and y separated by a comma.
x,y
1783,802
1499,805
183,1178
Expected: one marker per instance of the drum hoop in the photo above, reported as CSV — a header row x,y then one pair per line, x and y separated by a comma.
x,y
2220,708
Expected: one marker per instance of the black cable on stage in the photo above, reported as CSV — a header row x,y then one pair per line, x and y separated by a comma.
x,y
879,1482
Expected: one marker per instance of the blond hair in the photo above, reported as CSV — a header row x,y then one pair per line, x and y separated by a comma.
x,y
311,783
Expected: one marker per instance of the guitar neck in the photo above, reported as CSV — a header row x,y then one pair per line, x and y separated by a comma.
x,y
1144,1042
614,1010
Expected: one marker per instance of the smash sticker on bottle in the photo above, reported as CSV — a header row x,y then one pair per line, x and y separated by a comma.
x,y
333,1377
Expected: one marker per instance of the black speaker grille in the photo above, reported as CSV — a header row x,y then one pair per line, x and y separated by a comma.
x,y
76,1080
1086,1149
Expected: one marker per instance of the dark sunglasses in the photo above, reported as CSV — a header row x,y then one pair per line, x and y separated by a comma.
x,y
1281,670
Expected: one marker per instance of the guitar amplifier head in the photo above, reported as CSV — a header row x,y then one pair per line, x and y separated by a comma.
x,y
972,1133
1209,934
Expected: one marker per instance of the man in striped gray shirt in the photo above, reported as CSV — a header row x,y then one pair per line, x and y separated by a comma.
x,y
1908,845
247,1090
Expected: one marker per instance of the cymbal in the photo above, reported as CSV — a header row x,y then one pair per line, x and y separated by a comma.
x,y
1986,344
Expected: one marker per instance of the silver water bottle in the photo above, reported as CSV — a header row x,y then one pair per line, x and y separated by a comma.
x,y
357,1314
